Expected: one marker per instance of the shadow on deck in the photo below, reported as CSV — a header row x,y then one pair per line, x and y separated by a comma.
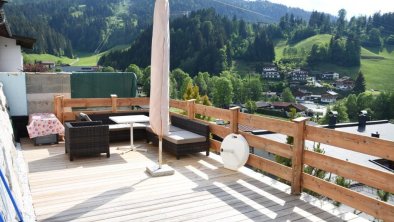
x,y
118,189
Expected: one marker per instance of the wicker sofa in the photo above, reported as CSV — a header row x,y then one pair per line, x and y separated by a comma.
x,y
185,137
119,132
86,138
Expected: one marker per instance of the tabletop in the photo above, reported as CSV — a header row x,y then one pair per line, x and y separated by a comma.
x,y
44,124
130,119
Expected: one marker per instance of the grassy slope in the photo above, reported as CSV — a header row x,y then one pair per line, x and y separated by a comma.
x,y
377,66
82,59
379,73
46,57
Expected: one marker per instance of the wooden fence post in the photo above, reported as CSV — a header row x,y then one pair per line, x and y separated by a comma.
x,y
297,158
114,99
55,106
234,119
59,107
191,109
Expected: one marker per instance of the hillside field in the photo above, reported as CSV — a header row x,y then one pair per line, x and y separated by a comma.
x,y
377,65
81,58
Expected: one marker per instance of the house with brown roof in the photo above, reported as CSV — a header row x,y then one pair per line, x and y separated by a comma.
x,y
329,97
11,59
345,83
286,106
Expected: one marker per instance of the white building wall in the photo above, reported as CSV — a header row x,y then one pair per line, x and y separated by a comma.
x,y
14,86
11,59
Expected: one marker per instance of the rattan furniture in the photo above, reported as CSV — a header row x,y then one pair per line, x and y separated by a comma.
x,y
86,138
186,137
118,132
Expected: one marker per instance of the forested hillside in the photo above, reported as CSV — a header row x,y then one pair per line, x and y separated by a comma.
x,y
62,27
203,41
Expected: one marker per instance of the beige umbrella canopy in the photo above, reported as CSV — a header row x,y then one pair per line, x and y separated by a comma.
x,y
159,92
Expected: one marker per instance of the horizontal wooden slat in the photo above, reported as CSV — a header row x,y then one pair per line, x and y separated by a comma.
x,y
362,174
269,166
213,112
132,101
363,144
270,124
268,145
215,145
91,102
374,207
178,104
218,130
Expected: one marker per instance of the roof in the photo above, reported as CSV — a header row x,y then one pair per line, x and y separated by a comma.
x,y
280,104
79,68
298,106
260,104
5,31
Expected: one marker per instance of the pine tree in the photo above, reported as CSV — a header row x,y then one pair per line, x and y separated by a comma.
x,y
359,84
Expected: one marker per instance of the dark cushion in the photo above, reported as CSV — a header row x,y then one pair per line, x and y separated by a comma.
x,y
84,117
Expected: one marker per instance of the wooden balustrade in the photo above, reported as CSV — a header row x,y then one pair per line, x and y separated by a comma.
x,y
296,152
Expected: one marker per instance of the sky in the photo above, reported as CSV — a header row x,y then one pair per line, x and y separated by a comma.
x,y
352,7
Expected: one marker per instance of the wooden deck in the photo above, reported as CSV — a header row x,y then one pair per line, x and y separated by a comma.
x,y
118,189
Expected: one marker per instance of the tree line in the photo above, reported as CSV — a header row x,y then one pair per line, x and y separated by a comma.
x,y
64,27
203,41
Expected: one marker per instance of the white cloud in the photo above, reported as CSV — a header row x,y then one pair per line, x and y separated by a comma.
x,y
353,7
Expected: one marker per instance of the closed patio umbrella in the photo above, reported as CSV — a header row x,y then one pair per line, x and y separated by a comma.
x,y
159,93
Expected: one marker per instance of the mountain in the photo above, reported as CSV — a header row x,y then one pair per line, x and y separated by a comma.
x,y
62,27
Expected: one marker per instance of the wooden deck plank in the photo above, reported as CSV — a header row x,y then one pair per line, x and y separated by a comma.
x,y
118,189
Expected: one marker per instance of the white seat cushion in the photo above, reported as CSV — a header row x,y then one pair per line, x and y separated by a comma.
x,y
184,137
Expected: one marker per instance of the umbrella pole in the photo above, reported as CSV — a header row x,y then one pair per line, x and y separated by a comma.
x,y
160,151
160,170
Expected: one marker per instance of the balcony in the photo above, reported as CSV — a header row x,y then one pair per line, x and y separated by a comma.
x,y
118,189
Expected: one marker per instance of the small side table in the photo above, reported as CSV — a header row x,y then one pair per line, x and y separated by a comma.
x,y
130,119
44,128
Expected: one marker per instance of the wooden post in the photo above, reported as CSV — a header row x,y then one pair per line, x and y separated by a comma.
x,y
297,158
59,107
61,99
55,101
114,99
190,108
234,119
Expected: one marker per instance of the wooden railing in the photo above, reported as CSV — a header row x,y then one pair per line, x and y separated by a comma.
x,y
296,152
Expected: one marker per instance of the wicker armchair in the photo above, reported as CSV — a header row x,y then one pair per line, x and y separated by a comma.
x,y
86,138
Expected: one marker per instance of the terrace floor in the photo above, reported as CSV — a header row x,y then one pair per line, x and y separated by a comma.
x,y
118,189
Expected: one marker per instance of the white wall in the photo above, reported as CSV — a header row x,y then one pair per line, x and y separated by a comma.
x,y
14,169
14,86
11,59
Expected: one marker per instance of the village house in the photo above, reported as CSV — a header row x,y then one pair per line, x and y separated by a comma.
x,y
345,83
270,72
301,95
329,76
286,106
269,94
298,75
47,64
329,97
